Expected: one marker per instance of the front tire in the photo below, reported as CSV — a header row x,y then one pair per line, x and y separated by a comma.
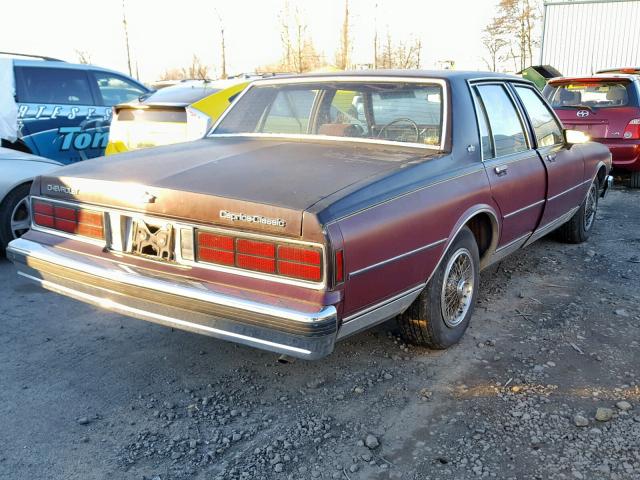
x,y
634,182
440,315
15,215
578,229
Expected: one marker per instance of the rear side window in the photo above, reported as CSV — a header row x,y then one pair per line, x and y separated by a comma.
x,y
593,94
116,89
507,131
289,112
60,86
544,124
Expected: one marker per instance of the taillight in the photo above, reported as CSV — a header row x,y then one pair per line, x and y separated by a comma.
x,y
283,259
339,267
73,220
633,130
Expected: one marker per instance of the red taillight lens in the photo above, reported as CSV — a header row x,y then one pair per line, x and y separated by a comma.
x,y
252,247
300,270
633,130
339,267
260,264
300,255
74,220
209,240
216,256
288,260
216,248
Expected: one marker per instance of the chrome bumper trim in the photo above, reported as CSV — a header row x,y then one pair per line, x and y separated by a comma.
x,y
303,334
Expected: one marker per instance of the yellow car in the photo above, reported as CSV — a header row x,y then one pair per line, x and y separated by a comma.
x,y
180,113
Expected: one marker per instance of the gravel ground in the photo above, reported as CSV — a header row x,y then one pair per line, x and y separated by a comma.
x,y
545,384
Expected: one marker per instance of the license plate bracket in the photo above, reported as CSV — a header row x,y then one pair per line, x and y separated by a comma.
x,y
153,240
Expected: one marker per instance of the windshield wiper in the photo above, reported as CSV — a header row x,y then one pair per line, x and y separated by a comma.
x,y
579,107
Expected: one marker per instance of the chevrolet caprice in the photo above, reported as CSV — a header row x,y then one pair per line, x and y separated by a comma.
x,y
319,206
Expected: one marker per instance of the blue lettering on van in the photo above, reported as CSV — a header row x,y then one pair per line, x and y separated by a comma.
x,y
80,140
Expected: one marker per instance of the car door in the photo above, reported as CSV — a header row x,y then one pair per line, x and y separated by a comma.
x,y
57,113
565,166
516,173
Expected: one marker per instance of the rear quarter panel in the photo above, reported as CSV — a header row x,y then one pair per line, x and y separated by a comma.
x,y
396,245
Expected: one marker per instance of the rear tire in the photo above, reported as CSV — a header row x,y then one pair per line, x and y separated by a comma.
x,y
440,315
635,180
15,215
578,229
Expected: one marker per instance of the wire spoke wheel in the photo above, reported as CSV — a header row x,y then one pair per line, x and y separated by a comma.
x,y
20,218
457,288
590,207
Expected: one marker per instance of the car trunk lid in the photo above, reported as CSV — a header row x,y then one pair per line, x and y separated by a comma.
x,y
262,185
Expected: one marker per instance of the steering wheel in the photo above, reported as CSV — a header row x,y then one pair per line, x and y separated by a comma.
x,y
405,120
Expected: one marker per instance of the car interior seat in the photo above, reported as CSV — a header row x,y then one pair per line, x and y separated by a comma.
x,y
617,96
567,97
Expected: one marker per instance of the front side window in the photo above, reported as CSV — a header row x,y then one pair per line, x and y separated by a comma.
x,y
592,94
506,128
545,126
58,86
399,112
116,89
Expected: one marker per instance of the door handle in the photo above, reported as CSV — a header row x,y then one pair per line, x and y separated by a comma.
x,y
500,171
551,158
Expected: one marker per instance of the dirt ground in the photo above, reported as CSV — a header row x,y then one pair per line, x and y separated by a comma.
x,y
86,394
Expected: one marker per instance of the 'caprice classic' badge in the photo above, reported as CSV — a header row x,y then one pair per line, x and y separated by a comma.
x,y
62,189
243,217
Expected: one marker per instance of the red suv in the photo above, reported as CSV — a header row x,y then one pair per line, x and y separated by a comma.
x,y
607,108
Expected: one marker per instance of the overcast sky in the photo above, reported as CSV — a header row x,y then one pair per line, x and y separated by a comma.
x,y
167,34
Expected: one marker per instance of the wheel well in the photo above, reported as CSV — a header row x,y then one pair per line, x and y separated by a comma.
x,y
3,199
485,229
602,173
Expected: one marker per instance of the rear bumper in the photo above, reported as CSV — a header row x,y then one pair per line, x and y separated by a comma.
x,y
179,303
625,153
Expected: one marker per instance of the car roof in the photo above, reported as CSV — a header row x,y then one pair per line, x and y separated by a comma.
x,y
437,74
596,76
19,62
184,93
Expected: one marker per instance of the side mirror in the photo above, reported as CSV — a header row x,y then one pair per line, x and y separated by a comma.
x,y
572,137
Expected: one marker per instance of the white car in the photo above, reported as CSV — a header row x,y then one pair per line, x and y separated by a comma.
x,y
17,170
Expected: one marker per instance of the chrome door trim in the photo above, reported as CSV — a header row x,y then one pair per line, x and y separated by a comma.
x,y
523,209
564,192
397,257
552,225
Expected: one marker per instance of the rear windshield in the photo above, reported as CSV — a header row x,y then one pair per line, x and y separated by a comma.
x,y
399,112
605,94
180,94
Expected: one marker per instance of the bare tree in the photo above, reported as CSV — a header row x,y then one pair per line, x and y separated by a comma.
x,y
84,57
172,74
197,70
344,51
126,37
403,54
223,75
298,51
515,23
494,41
285,37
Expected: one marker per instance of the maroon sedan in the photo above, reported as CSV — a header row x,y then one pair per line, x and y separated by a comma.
x,y
320,206
607,108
